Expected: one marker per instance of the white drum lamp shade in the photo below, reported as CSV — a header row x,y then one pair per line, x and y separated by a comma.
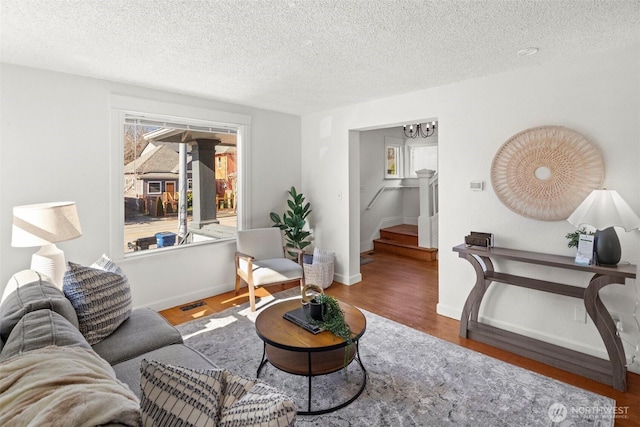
x,y
46,224
604,210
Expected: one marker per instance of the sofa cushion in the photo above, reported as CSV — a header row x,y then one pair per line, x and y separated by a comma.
x,y
182,395
143,331
176,354
102,300
27,297
42,328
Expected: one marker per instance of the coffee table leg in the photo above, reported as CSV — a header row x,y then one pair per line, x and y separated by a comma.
x,y
310,376
263,361
348,402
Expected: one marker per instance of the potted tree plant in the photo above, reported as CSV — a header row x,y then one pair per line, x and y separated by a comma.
x,y
293,221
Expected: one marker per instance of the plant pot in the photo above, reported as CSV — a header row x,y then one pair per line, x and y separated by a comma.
x,y
316,309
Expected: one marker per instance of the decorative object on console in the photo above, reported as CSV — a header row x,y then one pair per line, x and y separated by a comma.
x,y
419,130
604,210
306,296
545,172
574,236
46,224
481,240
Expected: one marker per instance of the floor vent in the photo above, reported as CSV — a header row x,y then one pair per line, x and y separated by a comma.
x,y
192,306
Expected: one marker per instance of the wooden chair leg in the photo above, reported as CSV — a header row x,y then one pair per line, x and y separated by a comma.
x,y
252,297
237,284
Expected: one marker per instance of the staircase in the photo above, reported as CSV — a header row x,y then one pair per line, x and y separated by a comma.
x,y
403,240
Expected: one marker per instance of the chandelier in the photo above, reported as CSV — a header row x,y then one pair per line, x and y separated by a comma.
x,y
421,130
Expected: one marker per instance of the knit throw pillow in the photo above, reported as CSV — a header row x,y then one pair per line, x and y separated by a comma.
x,y
172,395
102,300
252,403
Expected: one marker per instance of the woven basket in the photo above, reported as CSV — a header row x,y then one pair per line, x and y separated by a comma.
x,y
320,271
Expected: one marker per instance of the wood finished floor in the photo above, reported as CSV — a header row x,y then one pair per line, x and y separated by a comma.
x,y
406,291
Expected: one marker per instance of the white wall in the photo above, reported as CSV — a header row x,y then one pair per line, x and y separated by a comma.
x,y
56,144
598,96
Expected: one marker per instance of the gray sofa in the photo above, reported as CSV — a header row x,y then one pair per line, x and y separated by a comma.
x,y
45,358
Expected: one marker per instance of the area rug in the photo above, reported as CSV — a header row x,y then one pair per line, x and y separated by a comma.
x,y
413,379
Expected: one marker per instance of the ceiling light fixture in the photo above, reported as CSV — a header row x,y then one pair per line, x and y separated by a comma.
x,y
419,130
528,51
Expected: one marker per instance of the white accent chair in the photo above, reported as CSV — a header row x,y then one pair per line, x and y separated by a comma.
x,y
261,261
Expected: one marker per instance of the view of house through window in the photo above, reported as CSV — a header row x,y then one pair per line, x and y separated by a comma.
x,y
180,183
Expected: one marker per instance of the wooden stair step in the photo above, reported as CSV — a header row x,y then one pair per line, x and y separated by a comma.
x,y
404,233
408,250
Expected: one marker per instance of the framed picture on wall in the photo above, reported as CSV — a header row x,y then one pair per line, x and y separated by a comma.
x,y
392,161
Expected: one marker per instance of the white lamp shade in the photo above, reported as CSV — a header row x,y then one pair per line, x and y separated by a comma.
x,y
603,209
44,223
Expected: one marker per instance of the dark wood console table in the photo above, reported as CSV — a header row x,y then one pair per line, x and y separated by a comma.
x,y
612,372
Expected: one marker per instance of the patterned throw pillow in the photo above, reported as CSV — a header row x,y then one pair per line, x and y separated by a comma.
x,y
260,405
102,300
172,395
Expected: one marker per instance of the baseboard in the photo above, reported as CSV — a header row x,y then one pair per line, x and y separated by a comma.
x,y
455,313
541,336
445,310
410,220
366,246
347,280
190,297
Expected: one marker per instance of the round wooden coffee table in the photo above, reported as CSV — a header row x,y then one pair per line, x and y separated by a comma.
x,y
297,351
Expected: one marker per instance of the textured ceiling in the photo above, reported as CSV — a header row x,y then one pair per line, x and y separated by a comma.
x,y
301,56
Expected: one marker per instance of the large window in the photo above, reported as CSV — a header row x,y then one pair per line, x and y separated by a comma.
x,y
421,156
181,182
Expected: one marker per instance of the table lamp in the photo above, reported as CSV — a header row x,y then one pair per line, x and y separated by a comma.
x,y
46,224
604,210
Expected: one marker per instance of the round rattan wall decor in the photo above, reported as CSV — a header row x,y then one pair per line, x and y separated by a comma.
x,y
546,172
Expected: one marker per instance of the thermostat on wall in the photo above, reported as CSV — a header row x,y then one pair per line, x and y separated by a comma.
x,y
476,185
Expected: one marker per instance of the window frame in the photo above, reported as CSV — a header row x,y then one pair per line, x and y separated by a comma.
x,y
409,148
149,187
125,106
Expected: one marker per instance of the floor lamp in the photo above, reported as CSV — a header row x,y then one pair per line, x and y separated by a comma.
x,y
604,210
44,225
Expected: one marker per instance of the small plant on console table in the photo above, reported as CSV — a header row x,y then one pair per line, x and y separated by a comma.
x,y
574,236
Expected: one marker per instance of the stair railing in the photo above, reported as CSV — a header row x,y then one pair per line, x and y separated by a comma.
x,y
385,188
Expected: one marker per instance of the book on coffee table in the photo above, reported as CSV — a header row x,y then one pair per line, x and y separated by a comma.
x,y
299,316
